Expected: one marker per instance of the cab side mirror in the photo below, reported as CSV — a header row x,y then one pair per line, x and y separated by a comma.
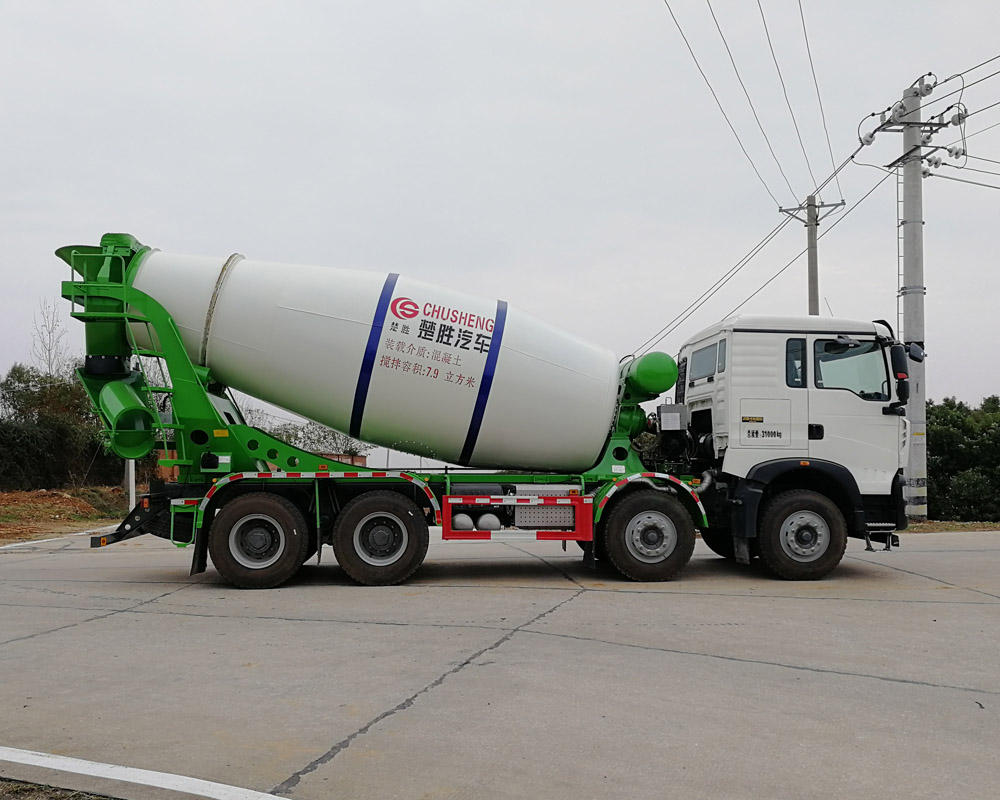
x,y
915,352
900,371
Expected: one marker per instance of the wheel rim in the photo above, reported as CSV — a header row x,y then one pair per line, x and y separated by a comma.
x,y
256,541
804,536
380,539
650,537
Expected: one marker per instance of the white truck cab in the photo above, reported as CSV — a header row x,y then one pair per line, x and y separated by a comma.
x,y
800,420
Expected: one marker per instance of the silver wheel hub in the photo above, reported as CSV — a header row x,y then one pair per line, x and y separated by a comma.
x,y
650,536
256,541
380,539
804,536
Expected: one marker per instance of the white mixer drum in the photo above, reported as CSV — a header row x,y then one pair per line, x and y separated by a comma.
x,y
425,369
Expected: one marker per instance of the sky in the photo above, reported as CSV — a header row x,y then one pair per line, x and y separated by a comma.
x,y
564,155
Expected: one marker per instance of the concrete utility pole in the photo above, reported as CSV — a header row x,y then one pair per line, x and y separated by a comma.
x,y
913,291
812,225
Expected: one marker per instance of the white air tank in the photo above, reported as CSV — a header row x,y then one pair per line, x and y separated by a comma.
x,y
425,369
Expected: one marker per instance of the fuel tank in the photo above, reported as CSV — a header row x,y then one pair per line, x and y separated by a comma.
x,y
394,361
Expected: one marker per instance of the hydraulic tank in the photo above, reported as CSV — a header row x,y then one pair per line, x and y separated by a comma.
x,y
429,370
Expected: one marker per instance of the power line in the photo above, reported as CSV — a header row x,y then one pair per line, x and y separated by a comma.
x,y
677,321
969,136
797,257
719,104
985,108
788,102
980,158
970,69
752,108
819,99
671,326
971,169
961,180
959,91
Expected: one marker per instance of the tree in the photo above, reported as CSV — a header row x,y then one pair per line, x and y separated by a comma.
x,y
48,352
963,469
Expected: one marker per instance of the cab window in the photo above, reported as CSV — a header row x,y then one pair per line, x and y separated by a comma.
x,y
860,368
703,362
795,363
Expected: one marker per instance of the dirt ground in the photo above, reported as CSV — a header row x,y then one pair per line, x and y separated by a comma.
x,y
15,790
36,515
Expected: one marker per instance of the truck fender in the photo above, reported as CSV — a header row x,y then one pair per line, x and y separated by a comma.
x,y
687,494
750,491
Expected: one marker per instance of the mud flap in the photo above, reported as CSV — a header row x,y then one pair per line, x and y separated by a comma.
x,y
199,561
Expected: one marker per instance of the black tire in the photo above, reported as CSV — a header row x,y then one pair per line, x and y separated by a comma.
x,y
802,535
649,536
719,542
258,540
380,538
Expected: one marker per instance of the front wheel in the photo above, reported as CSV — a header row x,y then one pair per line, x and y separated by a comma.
x,y
258,540
380,538
649,536
803,535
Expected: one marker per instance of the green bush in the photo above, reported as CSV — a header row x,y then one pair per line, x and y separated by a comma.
x,y
963,460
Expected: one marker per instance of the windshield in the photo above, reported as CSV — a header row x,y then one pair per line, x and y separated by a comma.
x,y
859,369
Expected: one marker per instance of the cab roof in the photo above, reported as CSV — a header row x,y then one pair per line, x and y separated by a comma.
x,y
784,324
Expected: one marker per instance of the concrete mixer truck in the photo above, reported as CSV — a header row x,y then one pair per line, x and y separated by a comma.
x,y
785,436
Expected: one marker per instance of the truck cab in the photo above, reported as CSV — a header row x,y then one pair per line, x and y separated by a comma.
x,y
805,410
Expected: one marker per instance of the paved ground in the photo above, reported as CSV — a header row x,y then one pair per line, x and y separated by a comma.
x,y
501,672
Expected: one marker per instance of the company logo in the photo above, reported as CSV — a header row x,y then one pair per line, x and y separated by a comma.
x,y
404,308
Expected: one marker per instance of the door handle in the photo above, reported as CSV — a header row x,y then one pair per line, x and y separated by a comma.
x,y
815,431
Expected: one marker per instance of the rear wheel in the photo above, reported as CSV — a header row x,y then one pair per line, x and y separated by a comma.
x,y
380,538
649,536
258,540
803,535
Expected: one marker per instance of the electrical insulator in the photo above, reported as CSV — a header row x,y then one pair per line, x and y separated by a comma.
x,y
958,118
934,161
868,138
956,151
898,111
925,89
926,138
926,173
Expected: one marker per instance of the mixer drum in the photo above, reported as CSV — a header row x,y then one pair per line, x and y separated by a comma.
x,y
429,370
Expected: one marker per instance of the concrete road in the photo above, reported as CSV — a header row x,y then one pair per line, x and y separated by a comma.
x,y
512,672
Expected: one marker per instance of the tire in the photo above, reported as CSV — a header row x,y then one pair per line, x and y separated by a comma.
x,y
380,538
649,536
719,542
802,535
258,540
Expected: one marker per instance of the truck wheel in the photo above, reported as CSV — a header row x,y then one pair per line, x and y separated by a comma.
x,y
258,540
649,536
380,538
803,536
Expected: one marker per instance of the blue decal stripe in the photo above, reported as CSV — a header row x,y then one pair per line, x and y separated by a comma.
x,y
368,362
485,384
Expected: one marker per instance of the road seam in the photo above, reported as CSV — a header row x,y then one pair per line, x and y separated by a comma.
x,y
292,781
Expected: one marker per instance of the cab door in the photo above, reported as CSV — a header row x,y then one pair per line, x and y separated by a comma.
x,y
849,387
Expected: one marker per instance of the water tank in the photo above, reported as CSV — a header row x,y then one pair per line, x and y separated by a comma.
x,y
429,370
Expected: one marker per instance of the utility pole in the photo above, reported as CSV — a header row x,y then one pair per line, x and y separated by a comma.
x,y
913,291
812,225
905,117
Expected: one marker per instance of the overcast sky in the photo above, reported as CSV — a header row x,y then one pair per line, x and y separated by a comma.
x,y
564,155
